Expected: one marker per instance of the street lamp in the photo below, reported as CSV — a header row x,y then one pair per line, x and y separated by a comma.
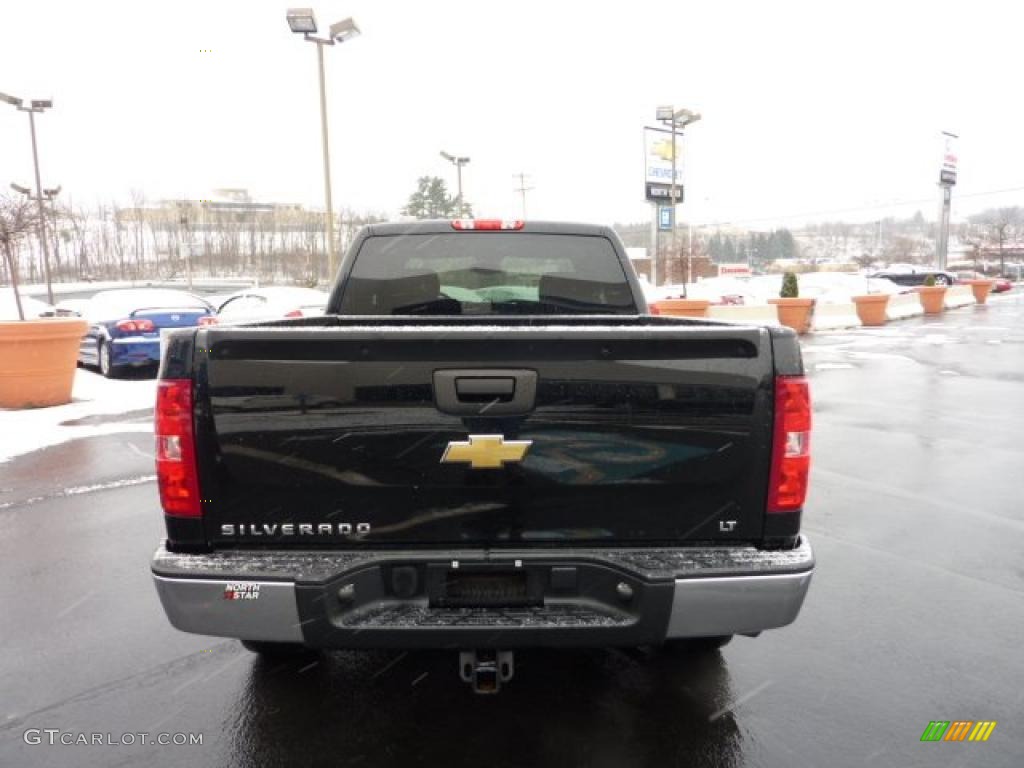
x,y
36,105
302,21
678,119
458,162
186,239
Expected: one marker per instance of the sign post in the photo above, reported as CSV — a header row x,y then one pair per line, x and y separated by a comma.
x,y
658,155
947,179
666,218
661,186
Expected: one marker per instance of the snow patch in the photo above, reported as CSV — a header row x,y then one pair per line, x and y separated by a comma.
x,y
30,430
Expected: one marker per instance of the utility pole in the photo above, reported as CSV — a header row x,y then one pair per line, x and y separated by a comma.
x,y
522,189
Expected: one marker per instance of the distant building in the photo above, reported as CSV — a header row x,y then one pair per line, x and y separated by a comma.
x,y
224,210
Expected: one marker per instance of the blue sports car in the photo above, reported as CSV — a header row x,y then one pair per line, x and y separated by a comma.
x,y
124,325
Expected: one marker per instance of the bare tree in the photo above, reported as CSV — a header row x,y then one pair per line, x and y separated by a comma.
x,y
973,237
1000,225
17,220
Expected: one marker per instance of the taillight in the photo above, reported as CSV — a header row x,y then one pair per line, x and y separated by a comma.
x,y
487,224
175,449
294,313
791,445
133,325
653,308
206,320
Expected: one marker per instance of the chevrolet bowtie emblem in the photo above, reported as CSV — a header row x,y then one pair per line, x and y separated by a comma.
x,y
486,451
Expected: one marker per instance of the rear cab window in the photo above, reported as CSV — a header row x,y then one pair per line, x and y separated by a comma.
x,y
487,273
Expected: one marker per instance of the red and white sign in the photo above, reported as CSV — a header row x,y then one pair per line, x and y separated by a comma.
x,y
949,158
734,270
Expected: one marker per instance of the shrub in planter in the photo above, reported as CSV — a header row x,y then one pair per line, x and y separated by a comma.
x,y
793,311
932,296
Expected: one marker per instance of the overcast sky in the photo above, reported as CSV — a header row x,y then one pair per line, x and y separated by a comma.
x,y
807,107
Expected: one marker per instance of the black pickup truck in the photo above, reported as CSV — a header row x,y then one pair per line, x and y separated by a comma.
x,y
487,443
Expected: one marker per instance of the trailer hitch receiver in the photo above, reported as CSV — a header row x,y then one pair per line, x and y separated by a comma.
x,y
486,670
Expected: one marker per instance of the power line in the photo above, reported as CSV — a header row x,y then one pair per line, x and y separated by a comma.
x,y
837,211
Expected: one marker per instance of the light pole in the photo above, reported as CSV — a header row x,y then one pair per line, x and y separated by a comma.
x,y
458,162
303,21
186,240
50,193
677,119
36,105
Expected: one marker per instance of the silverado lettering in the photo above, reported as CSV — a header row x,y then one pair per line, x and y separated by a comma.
x,y
290,529
535,458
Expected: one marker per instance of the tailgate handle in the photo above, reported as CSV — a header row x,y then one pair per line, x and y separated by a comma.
x,y
485,392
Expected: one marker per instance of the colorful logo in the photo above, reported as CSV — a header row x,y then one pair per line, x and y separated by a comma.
x,y
958,730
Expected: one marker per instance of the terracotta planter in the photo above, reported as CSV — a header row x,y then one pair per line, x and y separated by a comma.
x,y
683,307
871,308
981,289
794,313
933,298
37,361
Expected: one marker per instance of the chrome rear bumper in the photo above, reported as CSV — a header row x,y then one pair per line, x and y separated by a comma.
x,y
289,596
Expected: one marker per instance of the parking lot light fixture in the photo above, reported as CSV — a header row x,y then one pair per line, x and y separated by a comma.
x,y
303,21
36,105
343,30
458,162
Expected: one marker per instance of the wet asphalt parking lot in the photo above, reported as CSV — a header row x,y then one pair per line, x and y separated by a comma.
x,y
916,612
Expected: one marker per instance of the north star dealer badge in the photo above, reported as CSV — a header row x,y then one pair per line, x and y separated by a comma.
x,y
242,590
486,451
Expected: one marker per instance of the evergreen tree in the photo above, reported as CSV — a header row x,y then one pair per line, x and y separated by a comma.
x,y
432,201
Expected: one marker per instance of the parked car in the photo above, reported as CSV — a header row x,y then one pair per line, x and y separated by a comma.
x,y
71,307
124,325
999,284
273,303
909,274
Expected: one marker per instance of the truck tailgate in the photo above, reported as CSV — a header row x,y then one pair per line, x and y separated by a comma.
x,y
357,431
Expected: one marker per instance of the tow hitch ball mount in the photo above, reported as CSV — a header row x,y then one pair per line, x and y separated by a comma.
x,y
486,670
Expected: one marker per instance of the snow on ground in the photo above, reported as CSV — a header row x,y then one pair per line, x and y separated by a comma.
x,y
826,287
97,403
